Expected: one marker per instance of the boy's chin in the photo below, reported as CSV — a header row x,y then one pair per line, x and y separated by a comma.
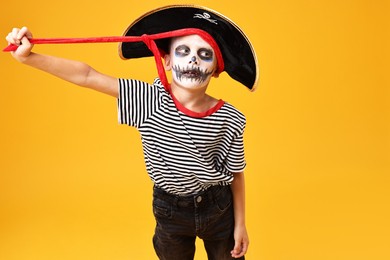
x,y
192,83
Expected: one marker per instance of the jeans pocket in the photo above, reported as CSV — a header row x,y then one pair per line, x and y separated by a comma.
x,y
224,200
162,209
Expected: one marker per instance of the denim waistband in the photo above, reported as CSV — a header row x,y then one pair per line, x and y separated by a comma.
x,y
196,200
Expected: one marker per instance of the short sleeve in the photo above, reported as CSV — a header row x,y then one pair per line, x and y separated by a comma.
x,y
236,156
136,102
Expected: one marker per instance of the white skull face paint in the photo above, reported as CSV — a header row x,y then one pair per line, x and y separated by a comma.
x,y
192,60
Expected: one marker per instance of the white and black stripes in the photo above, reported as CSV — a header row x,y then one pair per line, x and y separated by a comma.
x,y
136,112
183,154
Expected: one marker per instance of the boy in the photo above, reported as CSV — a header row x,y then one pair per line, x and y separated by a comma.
x,y
192,142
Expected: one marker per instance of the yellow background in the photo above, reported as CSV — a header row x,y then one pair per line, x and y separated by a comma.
x,y
73,183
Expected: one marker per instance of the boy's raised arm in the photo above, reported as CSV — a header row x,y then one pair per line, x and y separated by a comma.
x,y
75,72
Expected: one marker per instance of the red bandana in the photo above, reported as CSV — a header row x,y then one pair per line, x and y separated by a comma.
x,y
149,40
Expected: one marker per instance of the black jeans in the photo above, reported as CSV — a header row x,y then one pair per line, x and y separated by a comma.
x,y
208,215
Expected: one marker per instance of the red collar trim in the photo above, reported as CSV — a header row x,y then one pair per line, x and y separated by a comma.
x,y
191,113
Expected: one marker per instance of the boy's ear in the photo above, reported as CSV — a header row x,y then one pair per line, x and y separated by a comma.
x,y
167,62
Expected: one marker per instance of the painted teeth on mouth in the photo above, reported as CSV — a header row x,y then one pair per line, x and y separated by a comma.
x,y
191,73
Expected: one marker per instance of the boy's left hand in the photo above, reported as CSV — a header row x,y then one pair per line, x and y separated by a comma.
x,y
241,242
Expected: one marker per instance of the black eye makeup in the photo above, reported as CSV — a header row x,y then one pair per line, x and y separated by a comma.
x,y
205,54
182,51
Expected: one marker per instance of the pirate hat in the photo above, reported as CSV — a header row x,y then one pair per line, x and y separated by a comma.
x,y
237,56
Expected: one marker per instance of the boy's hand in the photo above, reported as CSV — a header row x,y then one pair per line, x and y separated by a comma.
x,y
241,242
19,37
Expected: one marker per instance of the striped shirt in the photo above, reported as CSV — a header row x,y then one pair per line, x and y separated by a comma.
x,y
184,154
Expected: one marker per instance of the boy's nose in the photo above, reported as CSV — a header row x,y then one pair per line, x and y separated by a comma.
x,y
193,60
